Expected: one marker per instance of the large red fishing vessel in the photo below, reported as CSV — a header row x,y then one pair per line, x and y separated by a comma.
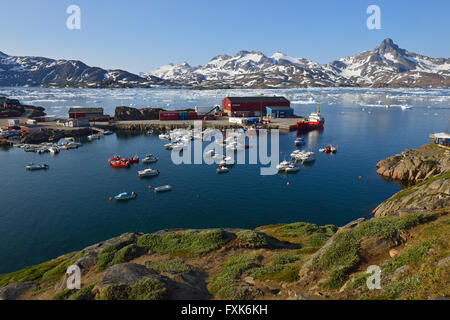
x,y
314,121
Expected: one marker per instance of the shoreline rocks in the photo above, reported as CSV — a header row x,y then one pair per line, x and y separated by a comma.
x,y
415,165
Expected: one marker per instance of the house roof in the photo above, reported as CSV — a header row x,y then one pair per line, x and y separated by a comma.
x,y
86,110
258,99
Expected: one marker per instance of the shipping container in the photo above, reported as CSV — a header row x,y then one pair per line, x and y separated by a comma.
x,y
168,115
192,115
182,115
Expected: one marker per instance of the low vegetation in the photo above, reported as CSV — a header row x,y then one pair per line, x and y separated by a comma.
x,y
308,235
253,239
147,289
224,284
189,243
120,252
170,265
343,255
50,270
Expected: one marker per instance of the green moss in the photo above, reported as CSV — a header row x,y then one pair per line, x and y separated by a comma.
x,y
306,234
410,190
169,265
63,295
284,257
417,253
223,283
37,272
191,243
84,293
253,239
61,268
286,273
342,256
120,252
116,292
148,289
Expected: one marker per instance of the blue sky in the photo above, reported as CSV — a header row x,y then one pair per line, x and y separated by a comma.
x,y
141,35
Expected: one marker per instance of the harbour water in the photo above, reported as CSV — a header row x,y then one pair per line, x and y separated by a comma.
x,y
47,213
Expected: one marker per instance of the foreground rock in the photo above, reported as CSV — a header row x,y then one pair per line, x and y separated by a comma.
x,y
47,134
431,195
124,113
415,165
14,290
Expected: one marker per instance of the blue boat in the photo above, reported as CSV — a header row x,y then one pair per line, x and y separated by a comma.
x,y
299,141
126,196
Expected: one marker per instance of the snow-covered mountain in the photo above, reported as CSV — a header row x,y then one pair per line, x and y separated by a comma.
x,y
39,71
385,66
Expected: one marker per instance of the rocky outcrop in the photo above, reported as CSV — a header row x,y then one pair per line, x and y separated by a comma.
x,y
126,273
4,143
47,134
415,165
432,195
124,113
14,290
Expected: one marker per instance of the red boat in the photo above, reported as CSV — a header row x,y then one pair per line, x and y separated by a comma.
x,y
135,159
115,158
120,164
314,121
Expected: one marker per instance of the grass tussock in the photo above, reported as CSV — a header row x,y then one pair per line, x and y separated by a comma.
x,y
306,234
224,284
342,256
146,289
170,265
50,270
190,243
120,252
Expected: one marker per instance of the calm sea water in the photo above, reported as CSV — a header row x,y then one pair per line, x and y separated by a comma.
x,y
44,214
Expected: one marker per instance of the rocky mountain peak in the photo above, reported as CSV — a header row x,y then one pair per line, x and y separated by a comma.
x,y
388,46
3,55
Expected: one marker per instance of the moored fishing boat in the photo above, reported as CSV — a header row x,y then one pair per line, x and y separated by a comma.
x,y
33,166
163,188
148,173
299,142
114,158
126,196
120,164
314,121
149,158
222,169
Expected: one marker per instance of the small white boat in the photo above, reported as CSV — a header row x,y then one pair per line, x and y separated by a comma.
x,y
33,166
107,132
126,196
305,156
93,137
164,136
149,158
283,165
292,168
405,107
148,172
222,170
53,150
163,188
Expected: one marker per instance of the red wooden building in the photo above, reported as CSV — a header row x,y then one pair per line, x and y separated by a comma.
x,y
252,106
